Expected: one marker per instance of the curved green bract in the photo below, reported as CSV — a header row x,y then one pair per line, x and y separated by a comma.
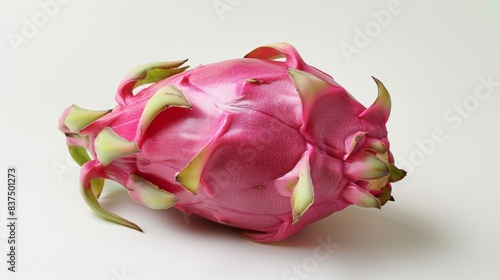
x,y
91,200
108,146
158,74
97,188
79,118
386,196
79,154
395,174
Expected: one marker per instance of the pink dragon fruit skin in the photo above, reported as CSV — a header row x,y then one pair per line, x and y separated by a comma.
x,y
264,145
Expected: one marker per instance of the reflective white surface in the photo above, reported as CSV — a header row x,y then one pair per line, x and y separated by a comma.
x,y
439,59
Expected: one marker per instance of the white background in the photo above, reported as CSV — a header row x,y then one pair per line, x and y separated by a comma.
x,y
431,55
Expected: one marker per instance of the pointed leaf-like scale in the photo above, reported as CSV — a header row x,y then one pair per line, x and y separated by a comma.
x,y
190,176
148,194
109,146
129,82
141,71
91,200
310,89
381,108
276,51
375,145
97,187
286,183
303,192
79,154
385,196
79,118
89,183
165,97
364,166
158,74
353,142
395,173
360,197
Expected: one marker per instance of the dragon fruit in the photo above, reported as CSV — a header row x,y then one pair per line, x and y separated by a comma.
x,y
266,143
